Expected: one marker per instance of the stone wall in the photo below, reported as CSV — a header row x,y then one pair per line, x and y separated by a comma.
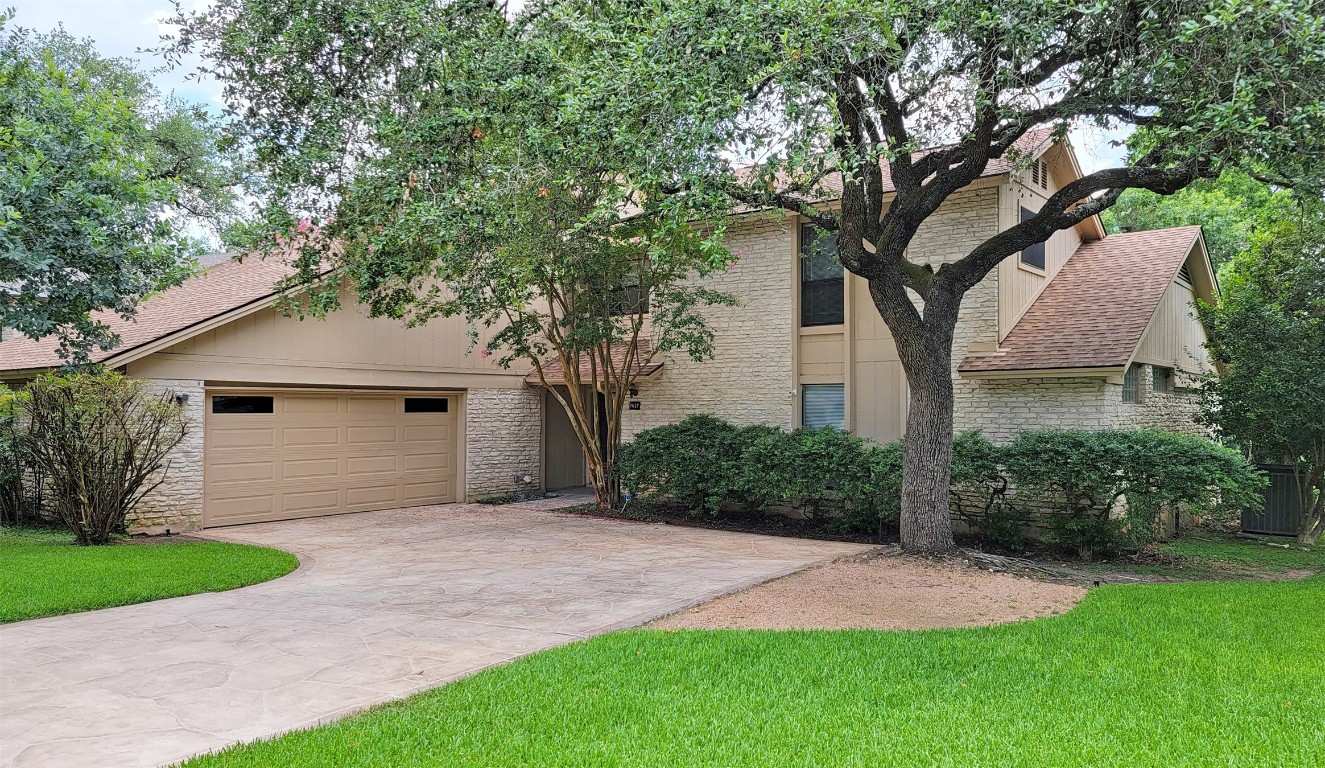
x,y
749,379
1173,411
1002,408
176,505
964,220
503,440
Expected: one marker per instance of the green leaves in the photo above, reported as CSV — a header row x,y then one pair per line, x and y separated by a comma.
x,y
99,178
1268,331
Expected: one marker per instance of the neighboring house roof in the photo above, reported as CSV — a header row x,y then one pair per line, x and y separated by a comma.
x,y
1093,313
223,289
555,373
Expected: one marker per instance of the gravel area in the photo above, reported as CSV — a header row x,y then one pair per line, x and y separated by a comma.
x,y
881,592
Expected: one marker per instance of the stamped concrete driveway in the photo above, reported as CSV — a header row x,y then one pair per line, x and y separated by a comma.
x,y
383,605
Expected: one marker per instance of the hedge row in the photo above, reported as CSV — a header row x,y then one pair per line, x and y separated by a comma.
x,y
1093,491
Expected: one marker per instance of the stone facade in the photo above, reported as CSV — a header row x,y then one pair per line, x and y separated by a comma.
x,y
1002,408
176,504
503,440
749,379
1173,411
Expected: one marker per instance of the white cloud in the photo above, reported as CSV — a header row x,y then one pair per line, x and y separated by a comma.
x,y
121,28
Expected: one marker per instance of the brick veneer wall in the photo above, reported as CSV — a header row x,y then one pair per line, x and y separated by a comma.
x,y
176,505
503,440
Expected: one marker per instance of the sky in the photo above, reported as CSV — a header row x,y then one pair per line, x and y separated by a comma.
x,y
123,27
120,28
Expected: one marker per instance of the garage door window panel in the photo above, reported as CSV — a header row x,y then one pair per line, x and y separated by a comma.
x,y
242,404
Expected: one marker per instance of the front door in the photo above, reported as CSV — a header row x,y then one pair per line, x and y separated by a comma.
x,y
564,458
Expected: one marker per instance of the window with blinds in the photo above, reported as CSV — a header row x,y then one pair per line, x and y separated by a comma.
x,y
823,405
822,291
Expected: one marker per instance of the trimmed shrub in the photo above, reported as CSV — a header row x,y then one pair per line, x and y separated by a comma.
x,y
695,461
824,471
1095,492
1108,487
103,441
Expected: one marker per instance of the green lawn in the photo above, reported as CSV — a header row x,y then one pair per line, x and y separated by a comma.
x,y
1252,553
43,573
1201,674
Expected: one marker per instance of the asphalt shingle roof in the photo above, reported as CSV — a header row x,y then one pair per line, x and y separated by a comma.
x,y
220,289
1094,311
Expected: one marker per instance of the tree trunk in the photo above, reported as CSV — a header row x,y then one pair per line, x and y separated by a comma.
x,y
925,349
927,468
1311,494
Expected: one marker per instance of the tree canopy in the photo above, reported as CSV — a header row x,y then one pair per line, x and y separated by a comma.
x,y
448,173
1227,207
102,179
693,109
1268,331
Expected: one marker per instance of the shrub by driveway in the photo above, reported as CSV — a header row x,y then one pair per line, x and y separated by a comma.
x,y
46,574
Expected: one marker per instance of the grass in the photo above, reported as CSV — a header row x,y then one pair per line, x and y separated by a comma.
x,y
1248,553
43,573
1200,674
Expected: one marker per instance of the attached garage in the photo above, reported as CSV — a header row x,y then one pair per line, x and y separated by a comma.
x,y
295,418
283,454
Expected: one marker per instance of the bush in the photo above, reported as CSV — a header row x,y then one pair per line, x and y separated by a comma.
x,y
21,483
695,461
1108,487
102,441
1097,492
704,462
821,470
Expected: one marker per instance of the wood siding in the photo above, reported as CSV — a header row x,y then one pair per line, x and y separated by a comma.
x,y
1175,338
1019,285
346,349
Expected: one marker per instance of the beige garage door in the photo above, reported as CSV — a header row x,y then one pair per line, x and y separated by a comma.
x,y
281,455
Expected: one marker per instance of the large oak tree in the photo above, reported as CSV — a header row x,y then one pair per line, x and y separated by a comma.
x,y
929,92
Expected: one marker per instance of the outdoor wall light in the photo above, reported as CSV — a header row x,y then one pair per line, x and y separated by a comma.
x,y
634,391
182,399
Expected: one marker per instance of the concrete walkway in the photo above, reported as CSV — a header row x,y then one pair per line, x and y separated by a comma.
x,y
384,604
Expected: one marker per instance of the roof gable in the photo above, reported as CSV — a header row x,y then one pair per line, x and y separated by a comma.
x,y
1094,312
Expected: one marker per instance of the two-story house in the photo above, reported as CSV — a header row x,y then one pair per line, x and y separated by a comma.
x,y
297,419
1085,330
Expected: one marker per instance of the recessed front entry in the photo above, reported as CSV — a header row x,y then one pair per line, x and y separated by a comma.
x,y
279,455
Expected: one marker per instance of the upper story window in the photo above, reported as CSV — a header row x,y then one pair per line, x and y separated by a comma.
x,y
822,292
1132,384
629,297
1032,256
